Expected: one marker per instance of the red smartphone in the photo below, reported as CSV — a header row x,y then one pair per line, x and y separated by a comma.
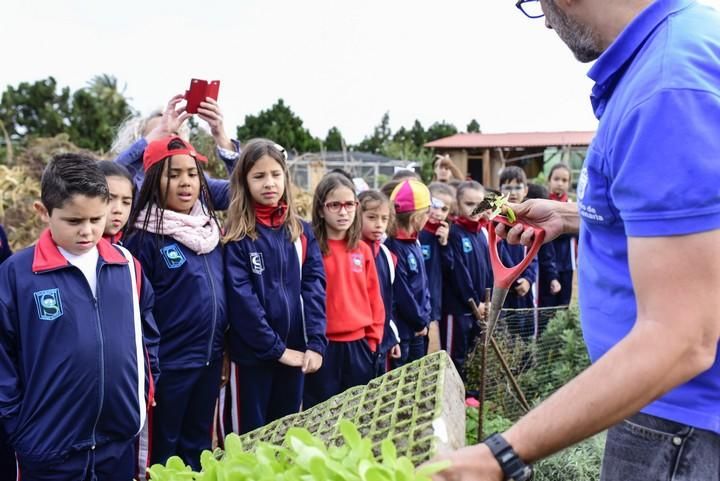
x,y
199,90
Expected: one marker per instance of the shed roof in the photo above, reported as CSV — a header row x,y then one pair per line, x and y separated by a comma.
x,y
512,139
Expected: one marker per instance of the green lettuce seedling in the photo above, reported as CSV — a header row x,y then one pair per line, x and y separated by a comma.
x,y
302,457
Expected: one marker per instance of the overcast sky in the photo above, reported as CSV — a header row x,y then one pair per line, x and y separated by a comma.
x,y
336,63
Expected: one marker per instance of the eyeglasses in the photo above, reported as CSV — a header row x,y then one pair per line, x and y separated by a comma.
x,y
531,8
512,188
336,206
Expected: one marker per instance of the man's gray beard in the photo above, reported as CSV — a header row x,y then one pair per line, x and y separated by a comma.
x,y
581,40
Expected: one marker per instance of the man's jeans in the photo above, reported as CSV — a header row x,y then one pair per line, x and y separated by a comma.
x,y
648,448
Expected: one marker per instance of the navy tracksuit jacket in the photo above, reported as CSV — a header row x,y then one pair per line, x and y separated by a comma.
x,y
468,276
437,259
386,265
411,298
276,301
190,311
564,246
74,367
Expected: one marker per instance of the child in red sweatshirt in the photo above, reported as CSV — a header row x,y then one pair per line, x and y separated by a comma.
x,y
355,310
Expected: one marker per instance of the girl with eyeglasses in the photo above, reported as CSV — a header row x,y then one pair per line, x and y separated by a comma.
x,y
411,199
275,285
355,309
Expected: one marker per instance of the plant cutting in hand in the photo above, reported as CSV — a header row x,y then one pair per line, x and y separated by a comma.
x,y
495,203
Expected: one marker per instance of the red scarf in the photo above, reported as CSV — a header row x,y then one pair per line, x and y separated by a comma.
x,y
271,216
471,225
559,197
432,227
113,239
401,234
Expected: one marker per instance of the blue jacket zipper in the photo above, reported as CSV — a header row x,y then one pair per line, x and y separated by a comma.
x,y
214,318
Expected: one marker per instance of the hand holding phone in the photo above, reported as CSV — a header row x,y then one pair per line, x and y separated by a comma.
x,y
199,90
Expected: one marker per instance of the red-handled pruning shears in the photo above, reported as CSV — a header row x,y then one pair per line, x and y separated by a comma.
x,y
506,276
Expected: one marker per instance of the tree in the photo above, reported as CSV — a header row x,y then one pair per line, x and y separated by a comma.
x,y
96,112
89,116
474,126
438,130
280,124
334,140
37,109
381,135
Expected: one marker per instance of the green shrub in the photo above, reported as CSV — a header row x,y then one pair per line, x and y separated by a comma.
x,y
578,463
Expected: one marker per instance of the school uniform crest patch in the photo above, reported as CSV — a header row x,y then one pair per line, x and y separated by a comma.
x,y
356,262
173,256
49,304
412,262
257,264
466,245
426,250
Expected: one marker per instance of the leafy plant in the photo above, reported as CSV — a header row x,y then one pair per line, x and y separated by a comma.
x,y
302,457
492,423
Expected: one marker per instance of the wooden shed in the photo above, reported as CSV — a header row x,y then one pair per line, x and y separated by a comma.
x,y
482,156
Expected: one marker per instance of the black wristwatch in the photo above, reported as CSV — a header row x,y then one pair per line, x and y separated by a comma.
x,y
512,466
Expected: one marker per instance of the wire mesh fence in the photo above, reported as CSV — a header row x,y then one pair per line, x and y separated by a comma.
x,y
543,349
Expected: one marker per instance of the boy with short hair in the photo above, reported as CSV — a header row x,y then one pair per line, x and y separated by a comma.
x,y
514,184
78,333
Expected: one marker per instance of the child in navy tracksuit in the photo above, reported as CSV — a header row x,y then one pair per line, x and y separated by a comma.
x,y
78,336
436,254
377,214
513,183
176,237
122,192
546,281
469,274
564,245
355,310
275,286
411,199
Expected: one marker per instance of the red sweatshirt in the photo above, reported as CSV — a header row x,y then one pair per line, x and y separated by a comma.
x,y
355,308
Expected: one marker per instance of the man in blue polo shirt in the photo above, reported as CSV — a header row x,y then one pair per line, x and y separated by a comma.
x,y
648,214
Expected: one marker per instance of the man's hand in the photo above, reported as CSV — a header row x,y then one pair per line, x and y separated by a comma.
x,y
396,352
555,286
311,362
555,217
292,358
172,119
472,463
422,333
210,112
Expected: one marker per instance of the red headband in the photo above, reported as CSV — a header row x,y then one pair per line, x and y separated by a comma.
x,y
158,150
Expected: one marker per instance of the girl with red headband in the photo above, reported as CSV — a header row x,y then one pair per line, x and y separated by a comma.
x,y
174,233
